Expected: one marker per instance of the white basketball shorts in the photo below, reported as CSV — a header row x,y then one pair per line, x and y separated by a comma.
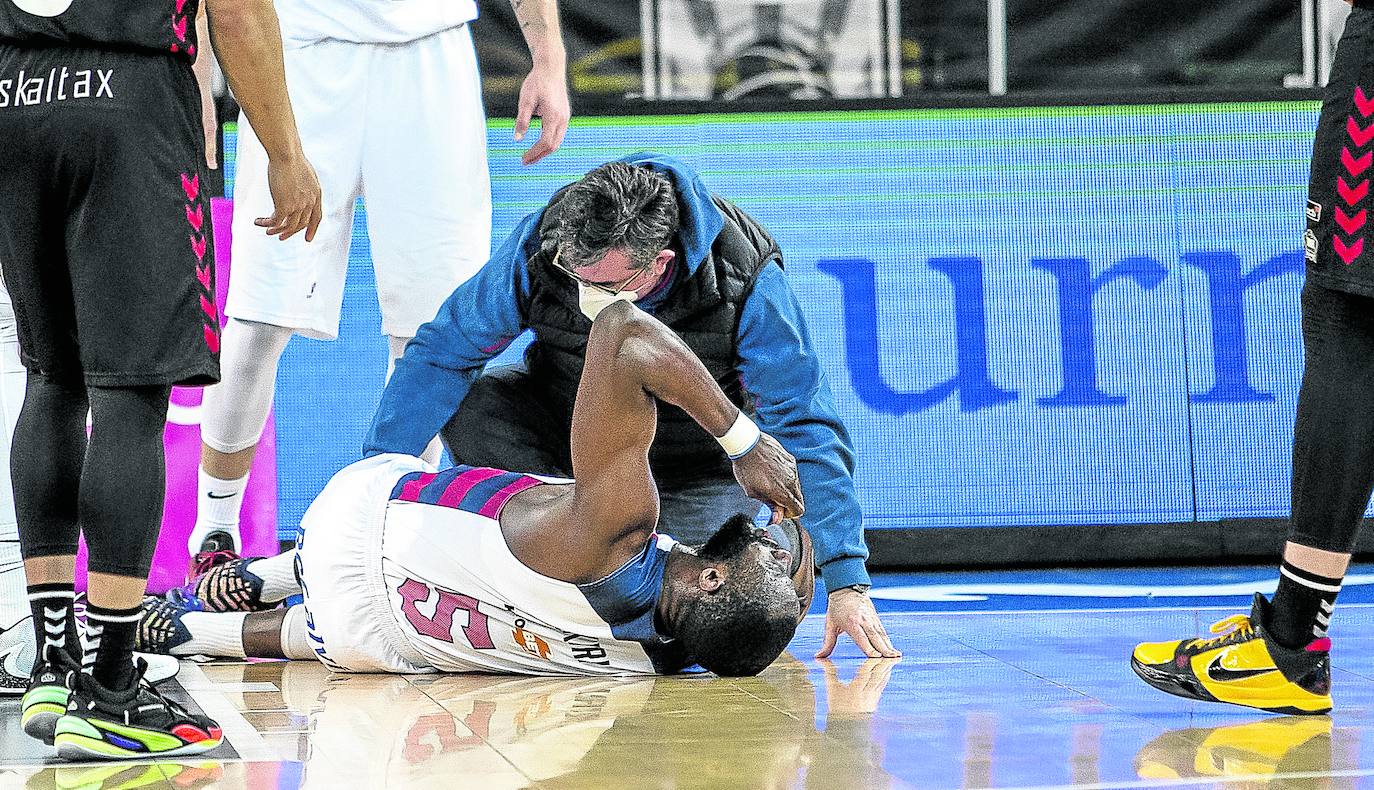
x,y
339,562
400,125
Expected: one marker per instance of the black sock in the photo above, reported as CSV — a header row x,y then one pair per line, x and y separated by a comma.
x,y
110,637
1302,606
54,625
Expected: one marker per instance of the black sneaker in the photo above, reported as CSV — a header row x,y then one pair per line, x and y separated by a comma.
x,y
160,630
45,700
133,723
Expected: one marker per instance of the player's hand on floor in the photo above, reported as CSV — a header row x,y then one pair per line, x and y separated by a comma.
x,y
543,93
768,473
851,612
296,201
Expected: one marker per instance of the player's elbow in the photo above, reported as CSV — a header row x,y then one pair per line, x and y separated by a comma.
x,y
617,331
234,16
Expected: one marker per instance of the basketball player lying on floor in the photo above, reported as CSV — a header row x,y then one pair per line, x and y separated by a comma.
x,y
480,570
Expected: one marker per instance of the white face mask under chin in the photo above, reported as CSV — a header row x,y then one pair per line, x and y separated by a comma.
x,y
593,301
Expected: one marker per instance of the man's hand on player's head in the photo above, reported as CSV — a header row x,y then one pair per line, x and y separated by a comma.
x,y
850,611
544,93
768,473
296,200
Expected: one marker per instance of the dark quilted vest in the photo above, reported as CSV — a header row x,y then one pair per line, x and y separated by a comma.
x,y
704,310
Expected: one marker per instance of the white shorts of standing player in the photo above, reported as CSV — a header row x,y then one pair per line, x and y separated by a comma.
x,y
400,125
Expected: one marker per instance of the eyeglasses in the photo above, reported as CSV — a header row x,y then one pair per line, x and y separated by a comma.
x,y
610,290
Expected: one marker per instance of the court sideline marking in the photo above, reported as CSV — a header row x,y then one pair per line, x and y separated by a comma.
x,y
1195,781
241,735
1109,610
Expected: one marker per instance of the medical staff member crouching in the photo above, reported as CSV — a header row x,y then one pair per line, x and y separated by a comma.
x,y
643,229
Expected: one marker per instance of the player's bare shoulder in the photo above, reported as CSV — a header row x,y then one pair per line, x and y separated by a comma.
x,y
545,533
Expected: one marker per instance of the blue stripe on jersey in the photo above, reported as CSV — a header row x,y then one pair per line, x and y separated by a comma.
x,y
430,494
400,484
627,599
481,490
480,494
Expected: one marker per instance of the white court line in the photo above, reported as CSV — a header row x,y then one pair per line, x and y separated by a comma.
x,y
965,612
245,738
1195,781
224,688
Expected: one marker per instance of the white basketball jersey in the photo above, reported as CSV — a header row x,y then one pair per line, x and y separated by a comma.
x,y
465,603
370,21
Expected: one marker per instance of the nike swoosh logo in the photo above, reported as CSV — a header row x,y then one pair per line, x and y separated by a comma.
x,y
1221,674
17,650
221,496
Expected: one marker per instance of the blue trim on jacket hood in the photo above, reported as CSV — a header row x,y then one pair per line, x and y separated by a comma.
x,y
701,221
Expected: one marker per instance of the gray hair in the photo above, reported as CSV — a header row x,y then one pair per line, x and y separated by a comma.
x,y
617,206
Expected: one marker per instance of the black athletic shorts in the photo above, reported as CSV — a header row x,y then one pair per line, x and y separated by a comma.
x,y
105,234
1339,242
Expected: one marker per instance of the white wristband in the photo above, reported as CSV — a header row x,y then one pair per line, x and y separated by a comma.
x,y
741,437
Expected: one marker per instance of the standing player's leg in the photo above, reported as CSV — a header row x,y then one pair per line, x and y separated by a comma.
x,y
426,181
234,413
117,312
278,288
1333,461
48,451
49,439
1277,659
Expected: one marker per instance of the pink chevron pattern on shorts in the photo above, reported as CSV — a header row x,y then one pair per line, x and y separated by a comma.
x,y
200,247
181,23
1348,243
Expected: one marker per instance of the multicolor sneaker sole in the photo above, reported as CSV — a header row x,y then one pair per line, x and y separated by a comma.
x,y
43,705
111,777
81,738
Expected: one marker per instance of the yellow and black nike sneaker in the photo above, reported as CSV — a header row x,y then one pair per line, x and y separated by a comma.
x,y
1241,665
1290,744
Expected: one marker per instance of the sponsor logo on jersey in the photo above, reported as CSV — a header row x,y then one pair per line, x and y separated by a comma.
x,y
58,85
530,643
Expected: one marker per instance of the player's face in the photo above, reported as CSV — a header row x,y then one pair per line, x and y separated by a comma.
x,y
615,272
771,555
740,539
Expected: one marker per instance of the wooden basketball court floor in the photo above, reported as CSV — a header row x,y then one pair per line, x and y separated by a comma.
x,y
1017,679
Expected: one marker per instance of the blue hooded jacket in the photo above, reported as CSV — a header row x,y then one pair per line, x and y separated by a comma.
x,y
778,364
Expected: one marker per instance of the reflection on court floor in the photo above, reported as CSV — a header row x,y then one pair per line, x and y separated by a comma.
x,y
1011,698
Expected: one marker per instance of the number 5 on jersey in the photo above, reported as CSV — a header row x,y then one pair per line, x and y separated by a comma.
x,y
440,626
